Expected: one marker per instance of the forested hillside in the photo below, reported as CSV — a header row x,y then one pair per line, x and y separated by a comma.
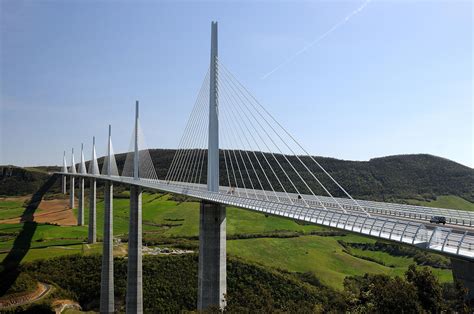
x,y
393,178
20,181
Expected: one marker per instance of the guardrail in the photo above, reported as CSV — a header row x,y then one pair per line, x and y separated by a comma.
x,y
440,239
453,216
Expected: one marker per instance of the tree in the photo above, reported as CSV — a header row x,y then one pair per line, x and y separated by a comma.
x,y
381,294
427,286
454,295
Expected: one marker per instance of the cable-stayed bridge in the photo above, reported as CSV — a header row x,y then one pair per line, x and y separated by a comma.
x,y
234,152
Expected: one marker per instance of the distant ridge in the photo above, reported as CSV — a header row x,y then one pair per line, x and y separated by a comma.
x,y
390,178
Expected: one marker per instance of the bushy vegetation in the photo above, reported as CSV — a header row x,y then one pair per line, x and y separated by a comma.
x,y
170,285
23,284
37,308
419,291
20,181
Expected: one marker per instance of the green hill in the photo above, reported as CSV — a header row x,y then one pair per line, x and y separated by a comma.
x,y
20,181
400,178
393,178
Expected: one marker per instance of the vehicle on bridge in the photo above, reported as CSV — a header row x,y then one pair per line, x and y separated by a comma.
x,y
438,220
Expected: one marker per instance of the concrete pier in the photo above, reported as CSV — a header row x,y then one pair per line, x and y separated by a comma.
x,y
80,210
63,184
73,171
71,193
92,236
212,281
107,304
63,178
463,271
134,302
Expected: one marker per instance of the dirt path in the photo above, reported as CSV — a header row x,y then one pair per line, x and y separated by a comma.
x,y
16,198
55,211
42,290
62,305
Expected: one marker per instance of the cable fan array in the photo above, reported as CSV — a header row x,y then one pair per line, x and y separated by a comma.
x,y
258,158
109,162
146,168
190,159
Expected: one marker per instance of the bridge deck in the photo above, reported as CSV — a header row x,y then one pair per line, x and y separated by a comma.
x,y
327,212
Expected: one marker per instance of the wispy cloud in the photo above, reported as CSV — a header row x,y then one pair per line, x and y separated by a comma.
x,y
319,39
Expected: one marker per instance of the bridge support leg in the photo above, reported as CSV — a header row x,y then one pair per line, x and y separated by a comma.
x,y
134,302
92,234
212,281
80,210
463,271
107,275
71,193
63,184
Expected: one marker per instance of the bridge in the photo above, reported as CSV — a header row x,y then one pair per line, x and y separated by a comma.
x,y
233,152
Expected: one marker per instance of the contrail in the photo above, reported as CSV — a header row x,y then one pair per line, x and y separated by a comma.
x,y
317,40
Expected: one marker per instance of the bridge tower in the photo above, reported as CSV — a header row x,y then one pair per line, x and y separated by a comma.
x,y
64,170
134,302
92,234
107,304
73,171
212,281
82,170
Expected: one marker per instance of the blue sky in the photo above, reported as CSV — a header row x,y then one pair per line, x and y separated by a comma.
x,y
395,78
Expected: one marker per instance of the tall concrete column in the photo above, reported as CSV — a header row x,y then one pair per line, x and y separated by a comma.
x,y
134,302
73,171
212,280
82,170
92,234
63,178
71,193
213,140
63,184
463,271
80,210
212,273
107,304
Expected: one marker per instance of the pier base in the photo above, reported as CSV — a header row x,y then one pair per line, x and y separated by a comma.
x,y
463,271
212,281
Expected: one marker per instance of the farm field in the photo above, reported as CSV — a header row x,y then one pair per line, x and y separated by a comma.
x,y
267,240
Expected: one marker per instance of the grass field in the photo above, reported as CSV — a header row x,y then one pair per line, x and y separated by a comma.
x,y
446,201
165,218
11,208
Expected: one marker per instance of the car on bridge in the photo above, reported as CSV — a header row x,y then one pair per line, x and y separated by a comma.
x,y
438,220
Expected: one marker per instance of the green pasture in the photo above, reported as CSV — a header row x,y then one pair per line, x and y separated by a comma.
x,y
163,217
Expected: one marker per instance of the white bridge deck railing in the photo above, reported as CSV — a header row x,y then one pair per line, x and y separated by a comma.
x,y
457,217
415,233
